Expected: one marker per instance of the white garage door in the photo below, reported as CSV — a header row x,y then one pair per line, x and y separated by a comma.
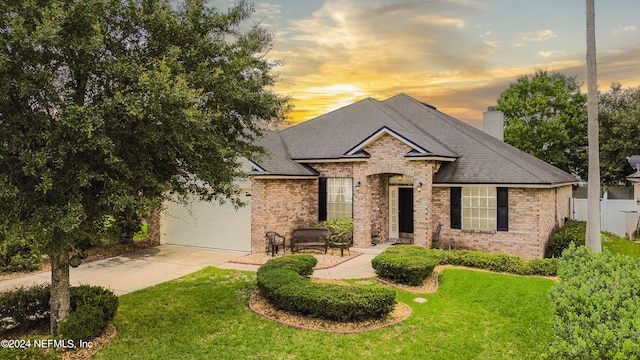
x,y
208,225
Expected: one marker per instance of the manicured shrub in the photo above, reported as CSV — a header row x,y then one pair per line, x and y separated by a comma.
x,y
497,262
92,308
85,323
302,264
288,290
24,308
596,307
97,296
544,267
405,264
570,232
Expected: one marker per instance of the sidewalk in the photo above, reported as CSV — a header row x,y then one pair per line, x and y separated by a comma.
x,y
147,267
356,268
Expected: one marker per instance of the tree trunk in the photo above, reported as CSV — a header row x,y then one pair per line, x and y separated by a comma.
x,y
593,186
60,298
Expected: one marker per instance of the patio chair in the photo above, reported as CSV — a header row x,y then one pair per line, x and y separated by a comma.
x,y
274,242
344,240
435,239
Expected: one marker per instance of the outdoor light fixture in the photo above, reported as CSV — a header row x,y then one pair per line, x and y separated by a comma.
x,y
358,184
419,186
399,177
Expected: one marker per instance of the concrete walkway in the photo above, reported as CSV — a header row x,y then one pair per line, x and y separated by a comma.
x,y
148,267
136,270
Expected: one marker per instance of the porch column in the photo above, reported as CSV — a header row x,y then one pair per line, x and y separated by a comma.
x,y
422,198
361,209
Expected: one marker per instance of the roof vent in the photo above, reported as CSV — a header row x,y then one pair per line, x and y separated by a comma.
x,y
493,122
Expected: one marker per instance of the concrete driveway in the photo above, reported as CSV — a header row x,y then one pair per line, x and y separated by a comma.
x,y
134,271
138,270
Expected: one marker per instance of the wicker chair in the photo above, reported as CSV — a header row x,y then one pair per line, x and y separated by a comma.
x,y
343,241
274,242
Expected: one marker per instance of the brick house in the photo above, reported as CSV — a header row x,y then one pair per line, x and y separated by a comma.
x,y
399,168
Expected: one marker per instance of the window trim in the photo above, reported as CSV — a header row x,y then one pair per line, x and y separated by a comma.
x,y
324,197
502,209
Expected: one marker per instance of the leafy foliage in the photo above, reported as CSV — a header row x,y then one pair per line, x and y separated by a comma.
x,y
597,315
405,264
497,262
546,116
283,285
302,264
619,117
25,307
570,232
109,106
19,255
92,308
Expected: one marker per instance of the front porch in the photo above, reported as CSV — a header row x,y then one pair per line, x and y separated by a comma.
x,y
392,207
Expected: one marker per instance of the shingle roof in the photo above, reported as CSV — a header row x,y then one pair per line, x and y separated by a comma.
x,y
479,157
278,161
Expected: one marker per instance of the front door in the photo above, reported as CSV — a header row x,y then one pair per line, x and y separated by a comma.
x,y
405,212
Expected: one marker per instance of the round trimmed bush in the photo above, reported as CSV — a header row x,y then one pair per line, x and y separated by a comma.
x,y
571,232
405,264
302,264
92,308
283,284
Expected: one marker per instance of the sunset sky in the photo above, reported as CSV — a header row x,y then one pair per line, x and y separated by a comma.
x,y
457,55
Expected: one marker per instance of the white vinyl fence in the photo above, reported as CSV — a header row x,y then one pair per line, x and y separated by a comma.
x,y
616,215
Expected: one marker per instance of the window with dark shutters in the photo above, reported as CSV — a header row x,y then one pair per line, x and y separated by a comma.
x,y
322,199
456,208
503,209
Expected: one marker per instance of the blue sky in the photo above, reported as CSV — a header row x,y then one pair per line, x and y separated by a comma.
x,y
457,55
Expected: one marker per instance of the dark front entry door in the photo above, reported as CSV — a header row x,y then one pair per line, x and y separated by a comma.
x,y
405,210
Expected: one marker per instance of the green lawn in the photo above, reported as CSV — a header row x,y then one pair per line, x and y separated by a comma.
x,y
621,245
474,315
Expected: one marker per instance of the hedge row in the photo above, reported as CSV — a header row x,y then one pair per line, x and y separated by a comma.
x,y
411,264
92,308
284,284
597,314
405,264
497,262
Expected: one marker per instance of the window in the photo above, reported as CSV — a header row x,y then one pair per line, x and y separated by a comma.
x,y
479,207
339,198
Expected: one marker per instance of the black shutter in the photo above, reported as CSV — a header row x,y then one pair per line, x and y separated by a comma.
x,y
456,208
503,209
322,199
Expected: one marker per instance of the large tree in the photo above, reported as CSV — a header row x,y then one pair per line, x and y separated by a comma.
x,y
619,119
107,106
545,116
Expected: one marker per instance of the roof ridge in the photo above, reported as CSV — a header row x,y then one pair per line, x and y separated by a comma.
x,y
330,112
416,126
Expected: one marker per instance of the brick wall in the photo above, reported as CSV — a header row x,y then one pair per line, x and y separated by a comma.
x,y
533,214
281,205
